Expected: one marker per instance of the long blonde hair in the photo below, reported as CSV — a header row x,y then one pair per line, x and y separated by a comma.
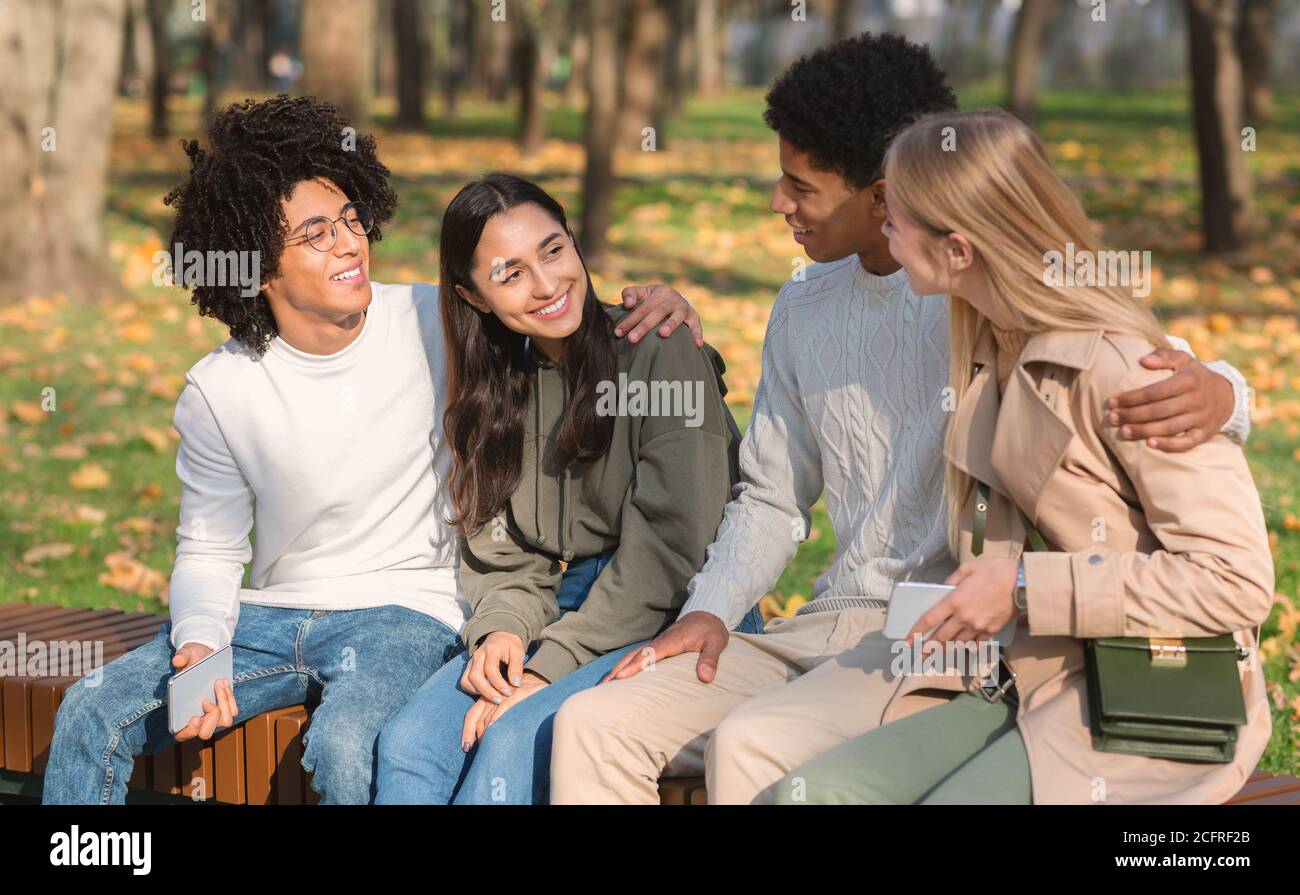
x,y
989,179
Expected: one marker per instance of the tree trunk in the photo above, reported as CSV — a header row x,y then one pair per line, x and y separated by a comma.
x,y
252,51
162,69
492,49
641,67
1255,48
459,41
844,19
214,42
1025,57
338,67
57,72
602,100
579,52
137,50
530,77
412,63
681,55
708,46
1216,114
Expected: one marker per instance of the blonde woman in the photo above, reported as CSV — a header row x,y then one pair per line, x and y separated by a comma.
x,y
1140,542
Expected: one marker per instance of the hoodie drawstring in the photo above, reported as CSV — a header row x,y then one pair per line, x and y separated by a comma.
x,y
537,441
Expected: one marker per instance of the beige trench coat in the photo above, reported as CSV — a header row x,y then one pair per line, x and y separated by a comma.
x,y
1150,543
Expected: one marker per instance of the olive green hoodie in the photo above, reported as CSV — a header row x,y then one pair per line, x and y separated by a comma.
x,y
656,495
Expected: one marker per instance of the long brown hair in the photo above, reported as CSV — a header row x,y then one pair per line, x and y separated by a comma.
x,y
488,365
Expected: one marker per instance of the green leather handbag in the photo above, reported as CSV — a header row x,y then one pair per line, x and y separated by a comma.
x,y
1163,698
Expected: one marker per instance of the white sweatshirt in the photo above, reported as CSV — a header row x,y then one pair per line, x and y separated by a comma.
x,y
338,461
850,406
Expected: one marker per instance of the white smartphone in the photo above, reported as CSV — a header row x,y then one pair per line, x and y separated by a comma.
x,y
912,599
188,687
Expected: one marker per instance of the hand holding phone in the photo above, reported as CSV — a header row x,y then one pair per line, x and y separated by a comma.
x,y
200,697
981,605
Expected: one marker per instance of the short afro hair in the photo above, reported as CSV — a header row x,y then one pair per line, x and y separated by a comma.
x,y
258,151
843,104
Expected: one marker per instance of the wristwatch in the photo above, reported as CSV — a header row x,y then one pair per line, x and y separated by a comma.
x,y
1021,594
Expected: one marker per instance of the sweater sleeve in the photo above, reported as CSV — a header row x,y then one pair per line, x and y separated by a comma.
x,y
216,516
509,585
1237,427
781,478
670,514
1213,571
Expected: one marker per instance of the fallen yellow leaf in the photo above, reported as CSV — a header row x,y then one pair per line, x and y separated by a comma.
x,y
42,552
126,573
89,477
28,411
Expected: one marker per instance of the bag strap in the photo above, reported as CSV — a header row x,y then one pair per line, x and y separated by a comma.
x,y
980,523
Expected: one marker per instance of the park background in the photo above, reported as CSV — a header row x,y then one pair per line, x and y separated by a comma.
x,y
1177,121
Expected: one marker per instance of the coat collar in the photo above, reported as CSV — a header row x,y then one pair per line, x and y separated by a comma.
x,y
989,432
1076,349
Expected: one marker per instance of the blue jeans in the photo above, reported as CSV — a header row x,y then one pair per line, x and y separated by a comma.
x,y
361,664
420,756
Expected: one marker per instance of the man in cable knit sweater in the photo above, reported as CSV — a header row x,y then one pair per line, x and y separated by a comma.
x,y
850,407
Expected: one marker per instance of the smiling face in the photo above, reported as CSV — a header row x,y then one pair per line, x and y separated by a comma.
x,y
333,285
527,272
916,249
828,218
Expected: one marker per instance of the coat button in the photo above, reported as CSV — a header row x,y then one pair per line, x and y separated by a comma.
x,y
1095,559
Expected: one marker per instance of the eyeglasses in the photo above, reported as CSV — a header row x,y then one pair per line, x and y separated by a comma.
x,y
321,234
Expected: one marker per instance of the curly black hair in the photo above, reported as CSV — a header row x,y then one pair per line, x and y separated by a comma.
x,y
843,104
258,151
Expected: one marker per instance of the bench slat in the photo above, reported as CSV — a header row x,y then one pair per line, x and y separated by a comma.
x,y
288,747
229,752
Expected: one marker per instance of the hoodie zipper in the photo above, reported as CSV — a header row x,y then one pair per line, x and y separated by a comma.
x,y
565,554
563,522
539,450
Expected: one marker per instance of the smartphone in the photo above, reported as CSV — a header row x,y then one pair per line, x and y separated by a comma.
x,y
188,687
912,599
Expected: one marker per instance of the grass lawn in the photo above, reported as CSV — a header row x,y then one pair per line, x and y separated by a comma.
x,y
88,492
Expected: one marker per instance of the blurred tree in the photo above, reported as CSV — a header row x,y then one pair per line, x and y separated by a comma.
x,y
162,68
1216,115
601,125
385,54
251,52
1024,57
579,52
1255,47
843,17
642,63
710,44
137,51
490,19
460,39
337,66
412,41
529,74
57,78
214,43
679,61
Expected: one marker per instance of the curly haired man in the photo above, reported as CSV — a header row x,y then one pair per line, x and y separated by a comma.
x,y
317,426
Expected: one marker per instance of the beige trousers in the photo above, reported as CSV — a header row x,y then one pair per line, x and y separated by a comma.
x,y
779,699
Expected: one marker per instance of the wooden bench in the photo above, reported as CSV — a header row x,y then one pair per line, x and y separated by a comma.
x,y
256,762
